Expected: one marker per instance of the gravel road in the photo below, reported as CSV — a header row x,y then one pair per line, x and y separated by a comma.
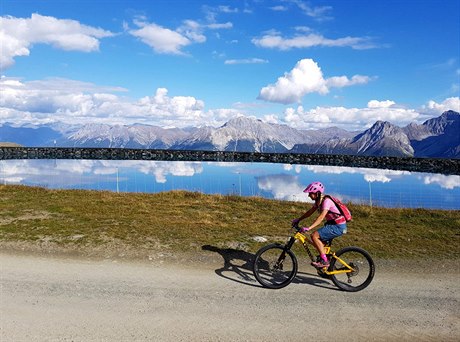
x,y
63,299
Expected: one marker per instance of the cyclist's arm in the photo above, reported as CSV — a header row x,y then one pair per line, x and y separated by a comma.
x,y
319,219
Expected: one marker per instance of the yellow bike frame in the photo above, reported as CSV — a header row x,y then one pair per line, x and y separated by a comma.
x,y
305,241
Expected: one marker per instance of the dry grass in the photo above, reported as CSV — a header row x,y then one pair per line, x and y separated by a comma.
x,y
9,144
187,221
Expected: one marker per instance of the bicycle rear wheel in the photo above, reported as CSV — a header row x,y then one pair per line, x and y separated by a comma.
x,y
275,267
363,269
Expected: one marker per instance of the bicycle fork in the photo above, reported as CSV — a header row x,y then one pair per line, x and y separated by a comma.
x,y
279,263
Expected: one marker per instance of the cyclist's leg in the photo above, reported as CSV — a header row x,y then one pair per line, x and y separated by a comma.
x,y
319,238
316,240
331,231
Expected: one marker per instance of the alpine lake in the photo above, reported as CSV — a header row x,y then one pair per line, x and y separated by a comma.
x,y
375,187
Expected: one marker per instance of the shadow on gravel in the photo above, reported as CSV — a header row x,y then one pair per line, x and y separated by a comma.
x,y
314,280
237,265
238,268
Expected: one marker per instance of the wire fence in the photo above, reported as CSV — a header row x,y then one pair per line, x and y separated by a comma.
x,y
387,188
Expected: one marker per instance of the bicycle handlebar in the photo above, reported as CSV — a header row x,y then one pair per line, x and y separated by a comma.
x,y
296,227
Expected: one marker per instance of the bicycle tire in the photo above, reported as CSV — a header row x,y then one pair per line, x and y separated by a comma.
x,y
363,264
274,266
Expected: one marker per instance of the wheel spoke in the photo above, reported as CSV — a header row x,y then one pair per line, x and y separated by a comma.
x,y
361,273
274,267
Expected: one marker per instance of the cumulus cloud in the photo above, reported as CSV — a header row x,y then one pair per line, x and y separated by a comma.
x,y
57,100
432,108
161,170
68,173
385,176
351,118
380,104
74,102
18,35
166,108
369,175
306,77
445,182
361,118
282,187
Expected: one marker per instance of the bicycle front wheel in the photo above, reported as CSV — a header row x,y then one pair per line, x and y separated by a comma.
x,y
275,267
362,265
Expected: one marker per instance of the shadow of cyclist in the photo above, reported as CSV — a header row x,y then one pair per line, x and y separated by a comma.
x,y
313,279
237,264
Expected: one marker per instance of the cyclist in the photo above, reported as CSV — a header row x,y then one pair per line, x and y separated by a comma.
x,y
335,222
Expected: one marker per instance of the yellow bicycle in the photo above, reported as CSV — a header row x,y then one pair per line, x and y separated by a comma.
x,y
351,268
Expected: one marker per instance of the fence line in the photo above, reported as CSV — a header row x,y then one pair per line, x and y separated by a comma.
x,y
286,182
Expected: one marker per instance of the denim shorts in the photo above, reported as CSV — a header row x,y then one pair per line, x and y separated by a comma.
x,y
330,231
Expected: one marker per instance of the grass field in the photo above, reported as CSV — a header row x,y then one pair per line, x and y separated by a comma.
x,y
179,221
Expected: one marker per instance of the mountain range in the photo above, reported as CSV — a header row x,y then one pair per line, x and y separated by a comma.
x,y
436,138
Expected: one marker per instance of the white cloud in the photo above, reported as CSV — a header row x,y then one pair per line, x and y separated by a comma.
x,y
215,26
213,12
273,40
172,109
318,13
161,170
73,102
282,187
219,116
271,118
445,182
350,118
343,81
193,31
162,40
18,35
228,9
246,61
56,100
369,175
433,108
361,118
306,77
380,104
169,41
65,173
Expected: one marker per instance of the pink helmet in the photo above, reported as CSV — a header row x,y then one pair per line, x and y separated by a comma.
x,y
315,187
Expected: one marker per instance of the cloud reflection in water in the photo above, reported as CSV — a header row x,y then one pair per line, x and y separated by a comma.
x,y
284,182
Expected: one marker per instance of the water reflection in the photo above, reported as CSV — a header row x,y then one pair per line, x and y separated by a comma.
x,y
285,182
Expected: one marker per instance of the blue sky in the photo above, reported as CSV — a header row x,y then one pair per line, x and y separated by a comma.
x,y
177,63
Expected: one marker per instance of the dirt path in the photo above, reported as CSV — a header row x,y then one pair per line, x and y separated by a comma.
x,y
57,299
